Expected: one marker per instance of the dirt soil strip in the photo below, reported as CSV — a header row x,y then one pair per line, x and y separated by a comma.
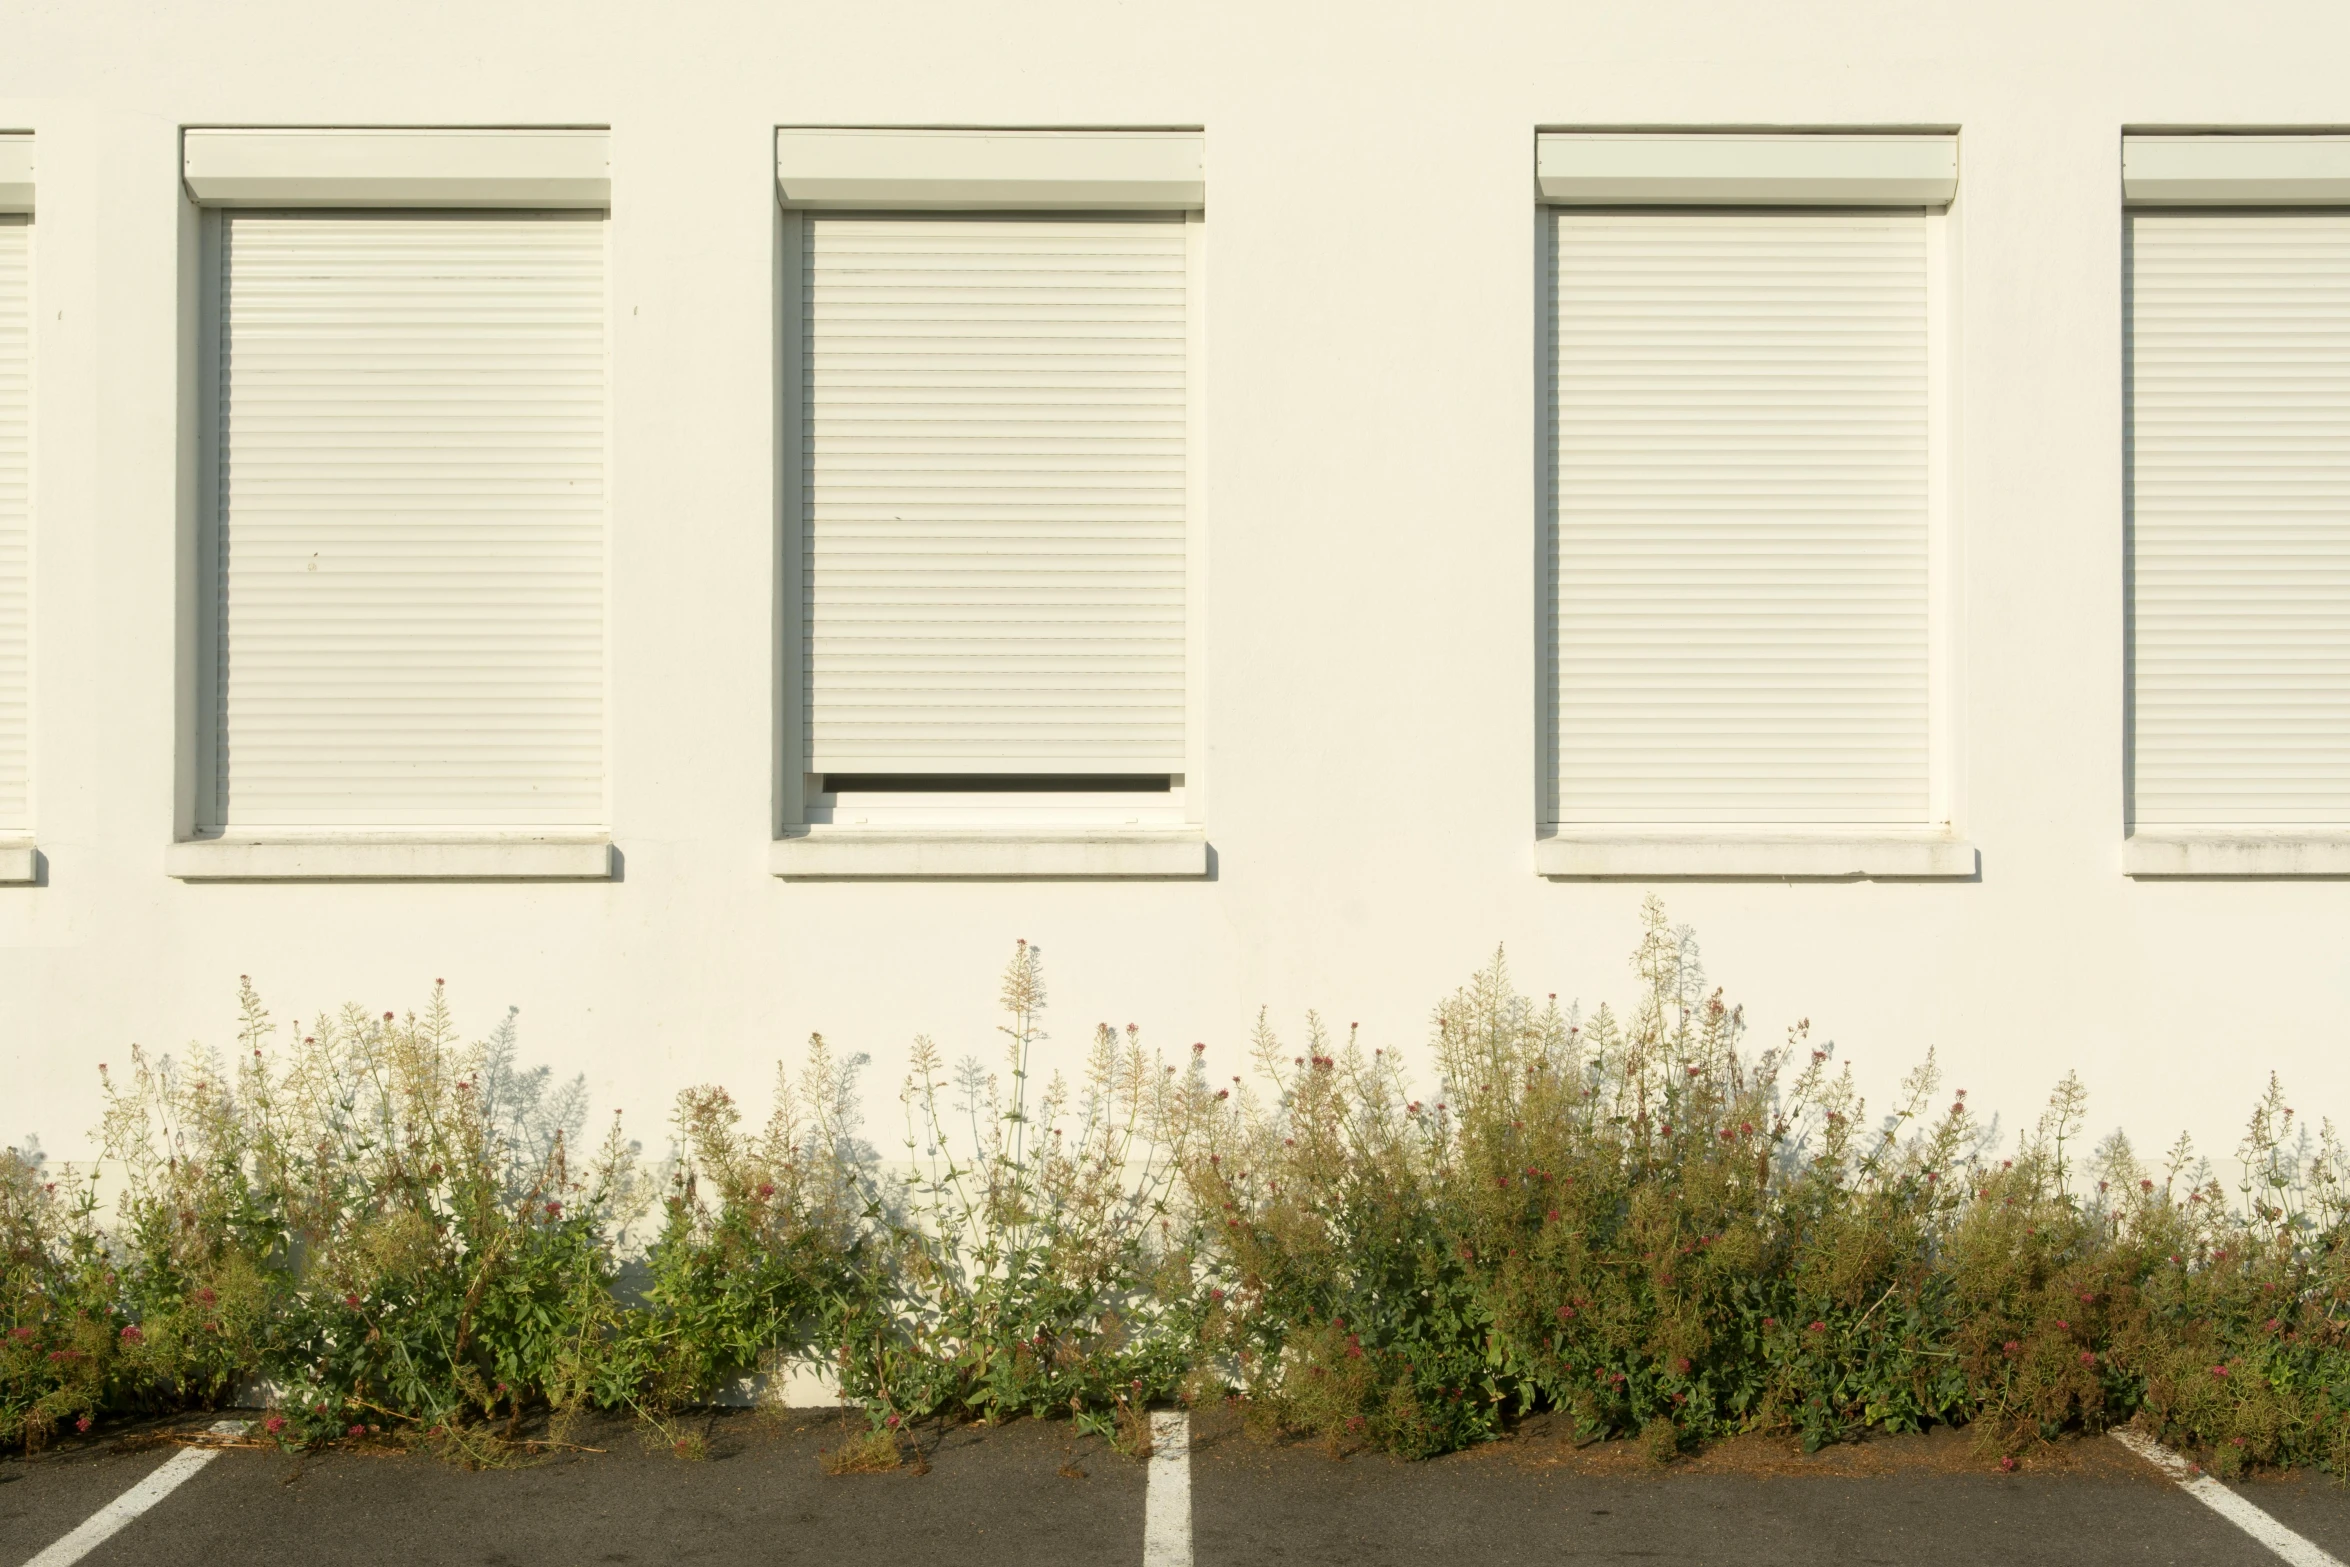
x,y
2297,1549
1166,1514
107,1521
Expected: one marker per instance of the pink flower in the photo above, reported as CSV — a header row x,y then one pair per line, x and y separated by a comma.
x,y
1682,1365
1819,1327
274,1424
554,1210
2087,1358
351,1301
356,1431
2011,1346
83,1424
132,1335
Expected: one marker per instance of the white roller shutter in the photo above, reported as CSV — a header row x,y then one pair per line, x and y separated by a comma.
x,y
2240,517
15,525
994,492
412,426
1739,489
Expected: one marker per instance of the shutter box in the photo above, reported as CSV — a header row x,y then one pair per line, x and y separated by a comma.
x,y
1711,168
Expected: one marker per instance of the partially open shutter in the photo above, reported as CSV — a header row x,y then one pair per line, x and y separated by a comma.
x,y
1739,492
411,576
994,493
2239,452
15,507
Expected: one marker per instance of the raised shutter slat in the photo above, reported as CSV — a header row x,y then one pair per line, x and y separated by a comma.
x,y
1740,522
15,523
411,579
2239,455
994,488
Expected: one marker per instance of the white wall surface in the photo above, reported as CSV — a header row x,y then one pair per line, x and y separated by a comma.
x,y
1370,508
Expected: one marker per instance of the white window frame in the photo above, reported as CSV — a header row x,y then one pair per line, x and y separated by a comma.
x,y
1057,835
20,856
1706,169
350,169
2217,169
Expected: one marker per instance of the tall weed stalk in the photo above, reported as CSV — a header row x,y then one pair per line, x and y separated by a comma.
x,y
1633,1221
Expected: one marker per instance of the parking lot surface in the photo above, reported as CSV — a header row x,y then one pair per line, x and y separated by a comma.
x,y
1034,1494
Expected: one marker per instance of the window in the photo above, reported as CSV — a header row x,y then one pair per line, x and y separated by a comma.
x,y
1743,507
2238,443
993,394
16,409
994,417
407,435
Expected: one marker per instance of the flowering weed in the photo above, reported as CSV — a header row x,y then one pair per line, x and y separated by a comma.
x,y
1633,1219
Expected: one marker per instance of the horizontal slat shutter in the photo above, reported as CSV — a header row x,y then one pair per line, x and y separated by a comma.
x,y
412,508
2240,517
1739,402
994,494
15,521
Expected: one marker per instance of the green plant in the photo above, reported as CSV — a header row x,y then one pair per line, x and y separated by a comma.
x,y
383,1222
1633,1221
63,1336
1033,1262
1638,1224
765,1243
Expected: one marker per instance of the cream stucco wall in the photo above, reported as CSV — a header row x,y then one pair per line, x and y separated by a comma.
x,y
1370,511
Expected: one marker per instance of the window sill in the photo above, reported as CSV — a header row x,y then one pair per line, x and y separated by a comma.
x,y
20,863
391,859
1098,854
1590,856
2222,852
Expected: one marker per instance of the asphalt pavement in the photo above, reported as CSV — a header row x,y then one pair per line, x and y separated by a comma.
x,y
1035,1494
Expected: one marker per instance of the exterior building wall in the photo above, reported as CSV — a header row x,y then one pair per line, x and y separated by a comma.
x,y
1369,490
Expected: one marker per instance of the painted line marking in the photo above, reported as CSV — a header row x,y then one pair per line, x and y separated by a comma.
x,y
103,1524
2231,1505
1166,1508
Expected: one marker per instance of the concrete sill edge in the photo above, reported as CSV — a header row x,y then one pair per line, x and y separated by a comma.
x,y
390,859
20,866
832,854
1723,857
2223,853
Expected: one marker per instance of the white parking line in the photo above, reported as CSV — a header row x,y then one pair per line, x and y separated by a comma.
x,y
102,1525
1166,1508
2231,1505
